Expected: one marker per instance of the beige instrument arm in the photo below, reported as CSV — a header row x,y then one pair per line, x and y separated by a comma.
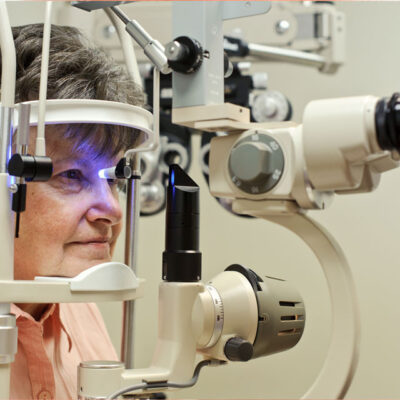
x,y
340,364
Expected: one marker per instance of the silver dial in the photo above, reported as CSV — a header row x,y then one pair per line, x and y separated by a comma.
x,y
270,106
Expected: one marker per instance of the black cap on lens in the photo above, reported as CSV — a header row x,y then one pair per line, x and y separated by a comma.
x,y
387,122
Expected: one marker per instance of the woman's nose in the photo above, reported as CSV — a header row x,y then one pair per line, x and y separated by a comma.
x,y
104,206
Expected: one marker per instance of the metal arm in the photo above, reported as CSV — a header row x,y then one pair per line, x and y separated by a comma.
x,y
338,370
287,55
153,49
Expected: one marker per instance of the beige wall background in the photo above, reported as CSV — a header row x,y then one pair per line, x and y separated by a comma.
x,y
366,226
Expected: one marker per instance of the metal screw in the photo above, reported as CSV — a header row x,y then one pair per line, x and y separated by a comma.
x,y
174,51
13,188
282,26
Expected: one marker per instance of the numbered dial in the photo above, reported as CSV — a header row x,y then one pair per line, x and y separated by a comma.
x,y
256,163
218,315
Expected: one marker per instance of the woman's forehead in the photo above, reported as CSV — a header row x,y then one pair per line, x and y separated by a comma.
x,y
63,148
64,151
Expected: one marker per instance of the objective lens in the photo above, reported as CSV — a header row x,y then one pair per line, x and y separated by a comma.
x,y
387,122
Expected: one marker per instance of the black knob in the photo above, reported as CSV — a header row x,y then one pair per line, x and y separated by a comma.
x,y
238,349
184,54
22,165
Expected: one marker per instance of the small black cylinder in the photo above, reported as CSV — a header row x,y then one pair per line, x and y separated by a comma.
x,y
32,168
181,258
19,198
44,168
22,165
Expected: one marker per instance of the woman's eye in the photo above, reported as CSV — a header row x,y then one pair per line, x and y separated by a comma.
x,y
72,174
71,180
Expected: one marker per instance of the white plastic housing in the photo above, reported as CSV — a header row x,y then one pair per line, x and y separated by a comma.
x,y
334,151
96,111
240,313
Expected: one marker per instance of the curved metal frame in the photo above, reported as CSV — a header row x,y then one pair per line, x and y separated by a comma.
x,y
341,360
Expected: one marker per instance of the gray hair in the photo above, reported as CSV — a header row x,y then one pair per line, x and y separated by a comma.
x,y
77,70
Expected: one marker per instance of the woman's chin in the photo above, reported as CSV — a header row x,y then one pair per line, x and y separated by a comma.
x,y
75,269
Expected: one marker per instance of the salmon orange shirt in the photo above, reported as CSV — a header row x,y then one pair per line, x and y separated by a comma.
x,y
50,350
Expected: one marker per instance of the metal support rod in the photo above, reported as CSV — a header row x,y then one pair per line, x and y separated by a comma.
x,y
287,55
153,49
6,126
121,15
5,374
7,223
131,246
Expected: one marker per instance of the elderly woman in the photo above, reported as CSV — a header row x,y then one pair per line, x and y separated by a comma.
x,y
73,220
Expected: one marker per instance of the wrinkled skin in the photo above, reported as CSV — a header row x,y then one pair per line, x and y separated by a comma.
x,y
71,222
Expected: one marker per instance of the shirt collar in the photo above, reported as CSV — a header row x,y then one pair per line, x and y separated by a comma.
x,y
52,311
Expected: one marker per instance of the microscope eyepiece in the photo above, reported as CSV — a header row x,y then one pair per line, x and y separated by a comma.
x,y
387,122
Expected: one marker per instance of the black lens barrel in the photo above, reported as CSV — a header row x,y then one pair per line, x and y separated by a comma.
x,y
181,258
387,122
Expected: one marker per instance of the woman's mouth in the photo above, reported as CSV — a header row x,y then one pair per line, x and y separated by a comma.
x,y
94,248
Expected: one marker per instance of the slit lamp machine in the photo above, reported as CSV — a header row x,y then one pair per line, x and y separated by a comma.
x,y
274,171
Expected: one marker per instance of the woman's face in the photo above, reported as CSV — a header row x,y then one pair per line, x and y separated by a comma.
x,y
72,221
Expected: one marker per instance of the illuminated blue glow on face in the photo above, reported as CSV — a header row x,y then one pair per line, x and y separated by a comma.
x,y
9,152
12,179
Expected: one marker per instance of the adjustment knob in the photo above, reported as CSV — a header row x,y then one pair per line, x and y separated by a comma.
x,y
238,349
256,163
271,106
251,162
184,54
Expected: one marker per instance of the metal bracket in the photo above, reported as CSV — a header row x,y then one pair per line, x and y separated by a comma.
x,y
239,9
202,20
8,338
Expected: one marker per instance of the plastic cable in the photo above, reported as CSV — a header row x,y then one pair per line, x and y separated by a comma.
x,y
156,118
40,149
157,385
127,47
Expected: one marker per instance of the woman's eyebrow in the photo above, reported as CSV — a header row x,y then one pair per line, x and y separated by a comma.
x,y
80,161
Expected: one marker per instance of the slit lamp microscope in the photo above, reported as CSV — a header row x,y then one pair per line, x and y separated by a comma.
x,y
274,171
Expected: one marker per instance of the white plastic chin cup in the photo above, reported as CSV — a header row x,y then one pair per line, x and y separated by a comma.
x,y
98,112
